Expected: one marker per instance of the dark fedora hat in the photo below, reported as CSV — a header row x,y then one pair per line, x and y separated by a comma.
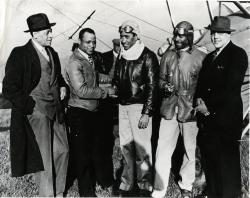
x,y
38,22
220,24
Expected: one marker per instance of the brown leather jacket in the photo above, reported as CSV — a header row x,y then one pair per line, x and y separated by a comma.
x,y
180,71
136,80
82,79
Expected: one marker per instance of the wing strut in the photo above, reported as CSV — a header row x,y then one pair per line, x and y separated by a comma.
x,y
209,11
82,24
169,11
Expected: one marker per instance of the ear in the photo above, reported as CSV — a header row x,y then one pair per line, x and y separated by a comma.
x,y
35,34
136,37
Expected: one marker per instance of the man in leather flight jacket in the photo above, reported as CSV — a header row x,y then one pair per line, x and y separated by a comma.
x,y
135,78
179,69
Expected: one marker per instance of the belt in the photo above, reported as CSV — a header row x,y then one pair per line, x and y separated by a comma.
x,y
183,93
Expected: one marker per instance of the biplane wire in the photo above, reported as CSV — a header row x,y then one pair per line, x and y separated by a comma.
x,y
61,13
135,17
115,26
62,33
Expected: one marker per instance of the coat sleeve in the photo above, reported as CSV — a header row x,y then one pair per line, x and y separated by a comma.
x,y
13,83
200,81
76,75
151,85
163,71
115,80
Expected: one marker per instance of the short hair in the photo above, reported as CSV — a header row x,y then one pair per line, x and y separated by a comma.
x,y
89,30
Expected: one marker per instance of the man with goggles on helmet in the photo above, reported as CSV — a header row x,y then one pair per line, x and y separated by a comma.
x,y
136,82
179,69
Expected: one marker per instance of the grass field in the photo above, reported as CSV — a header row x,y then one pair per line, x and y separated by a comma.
x,y
26,187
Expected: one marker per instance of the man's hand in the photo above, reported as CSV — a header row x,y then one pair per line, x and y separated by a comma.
x,y
110,90
63,92
169,87
168,90
201,107
103,78
143,122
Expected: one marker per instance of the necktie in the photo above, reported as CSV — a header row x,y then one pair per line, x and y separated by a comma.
x,y
47,51
215,53
91,61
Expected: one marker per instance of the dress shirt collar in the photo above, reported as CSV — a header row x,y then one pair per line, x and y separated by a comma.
x,y
41,49
84,54
220,49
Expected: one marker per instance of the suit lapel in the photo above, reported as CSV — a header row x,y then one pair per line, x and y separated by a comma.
x,y
223,53
53,66
34,68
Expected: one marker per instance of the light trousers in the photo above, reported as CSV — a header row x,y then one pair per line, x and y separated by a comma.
x,y
52,142
168,136
136,148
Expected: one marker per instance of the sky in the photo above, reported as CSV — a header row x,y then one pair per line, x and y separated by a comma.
x,y
151,15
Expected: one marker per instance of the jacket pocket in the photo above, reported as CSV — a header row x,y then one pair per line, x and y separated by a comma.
x,y
168,105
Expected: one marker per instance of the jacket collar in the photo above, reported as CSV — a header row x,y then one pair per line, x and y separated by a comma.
x,y
190,51
32,53
224,51
226,48
79,55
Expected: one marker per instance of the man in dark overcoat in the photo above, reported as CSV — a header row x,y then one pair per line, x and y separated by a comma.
x,y
34,85
219,108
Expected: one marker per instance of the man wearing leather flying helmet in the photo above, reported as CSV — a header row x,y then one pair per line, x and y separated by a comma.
x,y
179,70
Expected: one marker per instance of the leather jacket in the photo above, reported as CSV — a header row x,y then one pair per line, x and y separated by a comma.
x,y
137,80
179,70
82,79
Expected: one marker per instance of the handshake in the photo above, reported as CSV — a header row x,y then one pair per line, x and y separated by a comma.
x,y
168,90
108,91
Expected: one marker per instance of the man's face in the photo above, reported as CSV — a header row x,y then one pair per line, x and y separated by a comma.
x,y
88,43
220,39
43,37
127,39
180,41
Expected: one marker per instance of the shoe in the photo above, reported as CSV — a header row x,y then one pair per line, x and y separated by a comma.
x,y
114,191
144,193
158,193
186,193
124,193
200,196
59,195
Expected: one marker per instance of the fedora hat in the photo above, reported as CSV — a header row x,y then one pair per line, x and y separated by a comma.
x,y
38,22
220,24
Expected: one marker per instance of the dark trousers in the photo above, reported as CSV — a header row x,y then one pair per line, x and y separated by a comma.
x,y
108,118
221,162
86,145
